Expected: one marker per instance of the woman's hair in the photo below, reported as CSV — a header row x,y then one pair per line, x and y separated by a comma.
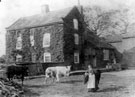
x,y
89,65
90,69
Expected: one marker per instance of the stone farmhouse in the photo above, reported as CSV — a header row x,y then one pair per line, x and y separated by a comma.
x,y
58,37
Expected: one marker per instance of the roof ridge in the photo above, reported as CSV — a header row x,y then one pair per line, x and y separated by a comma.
x,y
41,19
47,12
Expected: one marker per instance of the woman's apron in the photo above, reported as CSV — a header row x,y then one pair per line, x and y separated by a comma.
x,y
91,81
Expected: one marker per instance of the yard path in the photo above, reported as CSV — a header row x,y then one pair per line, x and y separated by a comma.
x,y
112,84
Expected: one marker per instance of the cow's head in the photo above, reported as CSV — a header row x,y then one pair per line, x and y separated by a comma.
x,y
68,67
68,70
49,73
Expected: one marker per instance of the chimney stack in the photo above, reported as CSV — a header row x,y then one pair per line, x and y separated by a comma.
x,y
45,9
80,8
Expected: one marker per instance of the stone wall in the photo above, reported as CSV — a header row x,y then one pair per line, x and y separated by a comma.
x,y
26,45
57,42
10,45
56,45
62,45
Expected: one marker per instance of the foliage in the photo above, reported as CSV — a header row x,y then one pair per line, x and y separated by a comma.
x,y
3,59
26,45
38,43
15,52
96,19
104,22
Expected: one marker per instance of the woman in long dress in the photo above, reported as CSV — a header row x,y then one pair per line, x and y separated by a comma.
x,y
90,79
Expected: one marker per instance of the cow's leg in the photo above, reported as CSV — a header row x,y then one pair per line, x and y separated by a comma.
x,y
53,78
46,79
57,77
22,78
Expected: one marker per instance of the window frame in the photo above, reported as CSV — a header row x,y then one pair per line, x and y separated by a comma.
x,y
47,54
32,41
19,41
76,56
48,41
76,39
75,24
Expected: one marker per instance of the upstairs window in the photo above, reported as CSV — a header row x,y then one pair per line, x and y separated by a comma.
x,y
32,37
19,41
76,57
46,40
47,57
106,54
75,22
76,39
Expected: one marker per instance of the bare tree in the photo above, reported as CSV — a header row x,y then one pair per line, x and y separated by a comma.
x,y
104,22
96,19
120,21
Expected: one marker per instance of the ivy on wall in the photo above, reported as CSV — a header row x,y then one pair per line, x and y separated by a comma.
x,y
10,45
26,45
27,51
38,48
57,43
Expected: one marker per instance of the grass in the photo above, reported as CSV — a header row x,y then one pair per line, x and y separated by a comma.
x,y
111,85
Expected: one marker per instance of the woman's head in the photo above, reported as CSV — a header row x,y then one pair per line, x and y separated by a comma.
x,y
89,67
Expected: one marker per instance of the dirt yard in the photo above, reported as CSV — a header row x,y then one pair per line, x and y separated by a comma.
x,y
112,84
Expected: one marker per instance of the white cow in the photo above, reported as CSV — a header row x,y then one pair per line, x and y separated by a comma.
x,y
56,72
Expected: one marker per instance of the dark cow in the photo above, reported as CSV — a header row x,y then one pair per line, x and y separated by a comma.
x,y
18,71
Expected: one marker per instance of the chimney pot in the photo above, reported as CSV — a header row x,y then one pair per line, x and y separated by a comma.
x,y
45,9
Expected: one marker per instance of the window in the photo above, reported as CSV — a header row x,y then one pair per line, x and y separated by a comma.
x,y
46,40
18,58
76,37
32,37
47,57
19,41
106,54
75,22
76,57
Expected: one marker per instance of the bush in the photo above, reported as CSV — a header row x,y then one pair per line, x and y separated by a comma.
x,y
116,66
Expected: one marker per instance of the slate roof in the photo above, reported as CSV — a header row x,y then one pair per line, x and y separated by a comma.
x,y
119,37
104,44
96,41
113,38
40,19
128,35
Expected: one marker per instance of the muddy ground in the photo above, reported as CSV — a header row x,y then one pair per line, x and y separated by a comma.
x,y
112,84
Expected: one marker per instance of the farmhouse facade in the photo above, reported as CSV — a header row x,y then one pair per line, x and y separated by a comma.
x,y
56,36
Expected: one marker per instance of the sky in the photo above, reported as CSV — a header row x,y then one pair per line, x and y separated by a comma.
x,y
11,10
